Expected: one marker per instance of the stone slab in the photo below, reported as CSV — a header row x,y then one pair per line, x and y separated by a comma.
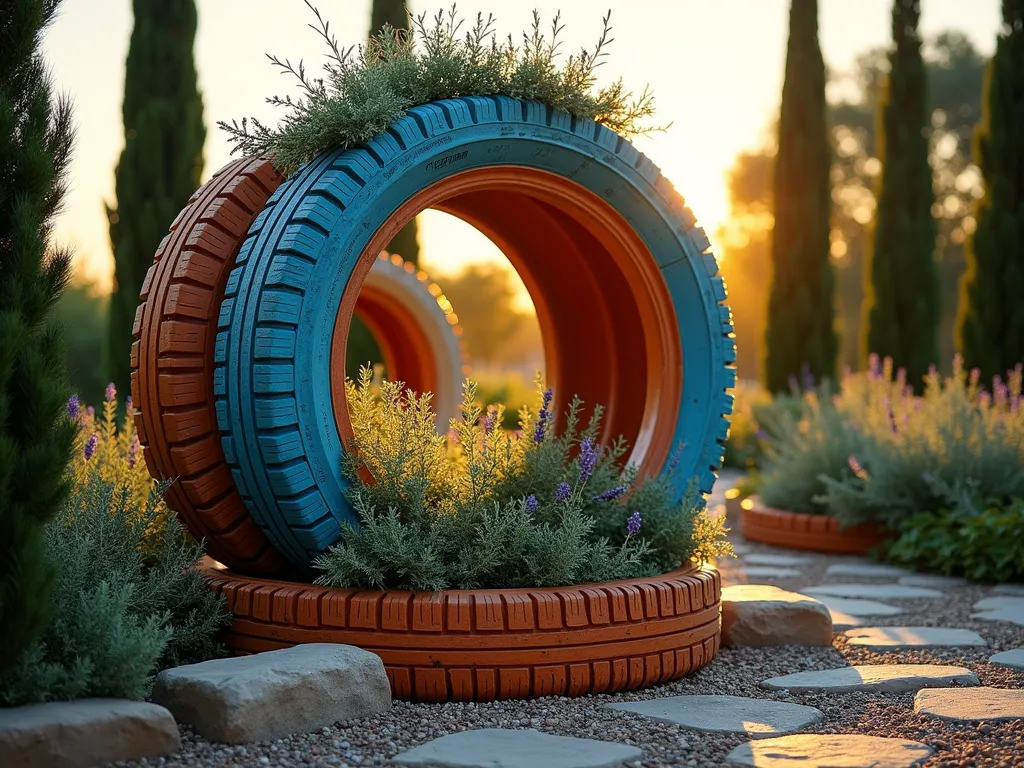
x,y
762,615
85,733
843,621
1000,608
873,591
726,714
880,678
503,748
784,561
913,637
933,580
768,572
829,751
1013,659
860,608
866,570
274,694
971,704
1009,589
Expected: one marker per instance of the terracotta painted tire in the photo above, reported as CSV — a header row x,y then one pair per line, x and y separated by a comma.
x,y
480,645
796,530
628,297
172,357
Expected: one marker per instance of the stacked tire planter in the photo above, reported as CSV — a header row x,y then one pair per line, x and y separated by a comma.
x,y
797,530
239,382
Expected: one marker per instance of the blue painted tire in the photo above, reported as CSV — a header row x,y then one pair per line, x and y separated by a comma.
x,y
272,380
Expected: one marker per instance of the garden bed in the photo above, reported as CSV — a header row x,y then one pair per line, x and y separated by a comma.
x,y
795,530
481,645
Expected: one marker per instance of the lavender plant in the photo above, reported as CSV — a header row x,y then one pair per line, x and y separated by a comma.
x,y
366,89
486,507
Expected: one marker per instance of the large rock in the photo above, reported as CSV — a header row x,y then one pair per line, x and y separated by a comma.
x,y
759,615
270,695
84,733
830,751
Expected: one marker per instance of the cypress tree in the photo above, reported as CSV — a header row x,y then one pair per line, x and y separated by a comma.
x,y
801,337
901,287
990,326
36,439
162,160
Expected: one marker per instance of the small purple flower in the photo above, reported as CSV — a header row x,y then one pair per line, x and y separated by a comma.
x,y
677,454
111,392
633,524
808,378
489,420
90,446
858,470
611,494
542,417
133,452
874,366
975,375
74,407
562,491
129,409
588,459
90,412
532,504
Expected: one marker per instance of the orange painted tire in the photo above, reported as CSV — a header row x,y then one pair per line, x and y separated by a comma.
x,y
172,357
796,530
480,645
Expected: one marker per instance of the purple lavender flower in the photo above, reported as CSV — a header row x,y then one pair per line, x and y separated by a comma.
x,y
531,504
588,459
111,392
562,492
633,524
489,420
874,366
975,375
90,412
611,494
129,409
90,446
542,417
74,407
133,452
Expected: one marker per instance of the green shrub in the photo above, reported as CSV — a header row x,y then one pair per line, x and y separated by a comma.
x,y
128,599
364,91
488,508
980,541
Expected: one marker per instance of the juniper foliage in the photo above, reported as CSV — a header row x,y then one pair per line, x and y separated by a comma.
x,y
488,508
366,89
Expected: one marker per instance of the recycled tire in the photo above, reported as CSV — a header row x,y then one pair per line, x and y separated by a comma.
x,y
627,295
481,645
796,530
172,357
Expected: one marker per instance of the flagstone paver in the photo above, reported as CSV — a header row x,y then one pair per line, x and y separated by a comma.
x,y
768,572
866,570
786,561
1009,589
830,751
971,704
913,637
860,608
880,678
872,591
1002,608
932,580
1013,659
502,748
843,621
726,714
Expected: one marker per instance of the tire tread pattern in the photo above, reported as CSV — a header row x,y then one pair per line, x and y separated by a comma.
x,y
797,530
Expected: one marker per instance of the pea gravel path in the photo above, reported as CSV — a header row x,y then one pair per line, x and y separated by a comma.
x,y
736,671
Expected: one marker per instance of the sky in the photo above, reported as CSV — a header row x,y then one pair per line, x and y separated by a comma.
x,y
715,66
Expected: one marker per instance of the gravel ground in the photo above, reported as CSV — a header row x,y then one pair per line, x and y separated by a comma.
x,y
736,671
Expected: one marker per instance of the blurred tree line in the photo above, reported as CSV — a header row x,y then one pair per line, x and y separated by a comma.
x,y
955,75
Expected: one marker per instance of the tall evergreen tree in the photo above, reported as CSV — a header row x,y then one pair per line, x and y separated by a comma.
x,y
801,337
901,286
36,439
991,323
162,160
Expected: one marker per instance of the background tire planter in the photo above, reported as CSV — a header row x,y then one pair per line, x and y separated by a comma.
x,y
173,356
572,205
795,530
480,645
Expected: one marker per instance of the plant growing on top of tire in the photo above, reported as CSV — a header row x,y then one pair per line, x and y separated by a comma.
x,y
632,314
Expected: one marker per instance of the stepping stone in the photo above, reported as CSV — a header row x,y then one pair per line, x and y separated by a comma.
x,y
726,714
1010,609
842,621
273,694
853,607
786,561
913,637
879,678
1013,659
933,580
503,748
971,704
760,615
1009,589
872,591
866,570
84,733
829,751
768,572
